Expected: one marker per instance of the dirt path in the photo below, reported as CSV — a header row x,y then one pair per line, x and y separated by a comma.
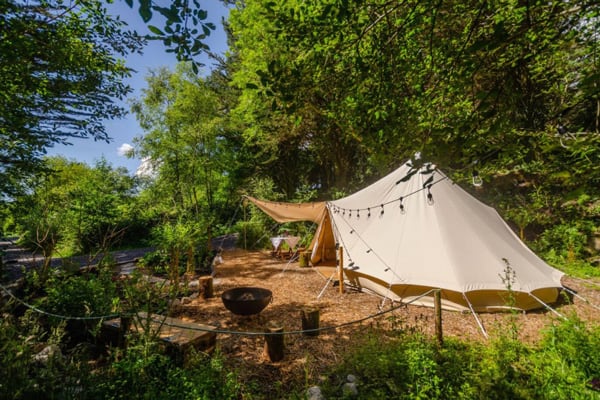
x,y
16,258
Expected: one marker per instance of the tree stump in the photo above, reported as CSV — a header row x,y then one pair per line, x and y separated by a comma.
x,y
303,258
274,345
310,320
206,286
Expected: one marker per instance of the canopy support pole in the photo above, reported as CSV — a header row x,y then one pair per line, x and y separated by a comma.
x,y
476,317
581,298
547,306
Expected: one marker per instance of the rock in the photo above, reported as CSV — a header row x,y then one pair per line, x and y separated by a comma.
x,y
175,304
314,393
351,378
194,285
48,352
194,295
349,389
186,300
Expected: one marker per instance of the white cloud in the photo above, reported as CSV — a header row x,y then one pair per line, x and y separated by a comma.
x,y
145,169
125,150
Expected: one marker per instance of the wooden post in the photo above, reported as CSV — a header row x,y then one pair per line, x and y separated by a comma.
x,y
310,320
437,297
341,269
124,325
303,258
206,286
274,345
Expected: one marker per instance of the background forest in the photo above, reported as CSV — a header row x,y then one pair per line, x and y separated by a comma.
x,y
314,100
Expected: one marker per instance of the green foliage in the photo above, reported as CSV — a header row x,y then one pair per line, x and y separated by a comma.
x,y
80,297
410,366
140,374
66,58
74,209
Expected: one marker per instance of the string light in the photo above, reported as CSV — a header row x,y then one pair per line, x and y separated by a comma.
x,y
382,210
402,211
357,213
429,196
369,210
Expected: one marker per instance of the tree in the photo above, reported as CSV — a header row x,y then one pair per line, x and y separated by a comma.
x,y
75,209
60,74
185,142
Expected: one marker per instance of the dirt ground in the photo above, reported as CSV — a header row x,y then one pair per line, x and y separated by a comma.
x,y
294,287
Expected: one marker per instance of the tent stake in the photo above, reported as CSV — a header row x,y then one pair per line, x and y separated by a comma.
x,y
476,317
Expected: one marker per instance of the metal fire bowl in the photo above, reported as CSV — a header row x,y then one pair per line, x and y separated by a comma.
x,y
246,300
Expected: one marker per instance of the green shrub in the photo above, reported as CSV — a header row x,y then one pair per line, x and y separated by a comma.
x,y
145,373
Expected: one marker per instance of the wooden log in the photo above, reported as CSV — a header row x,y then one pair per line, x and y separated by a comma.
x,y
206,286
274,344
310,320
437,297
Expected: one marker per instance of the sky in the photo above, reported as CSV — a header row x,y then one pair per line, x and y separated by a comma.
x,y
122,131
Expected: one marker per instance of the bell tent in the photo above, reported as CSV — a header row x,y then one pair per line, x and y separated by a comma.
x,y
415,230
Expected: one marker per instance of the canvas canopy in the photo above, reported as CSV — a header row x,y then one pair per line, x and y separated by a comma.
x,y
415,230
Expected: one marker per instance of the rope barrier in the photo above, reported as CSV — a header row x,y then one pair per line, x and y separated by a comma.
x,y
220,331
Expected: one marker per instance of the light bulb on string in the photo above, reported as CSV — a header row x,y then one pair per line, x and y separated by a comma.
x,y
477,181
429,196
357,213
402,210
369,212
382,210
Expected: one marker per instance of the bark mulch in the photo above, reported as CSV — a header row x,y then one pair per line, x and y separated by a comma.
x,y
306,357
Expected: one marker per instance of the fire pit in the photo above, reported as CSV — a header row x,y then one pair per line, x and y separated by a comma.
x,y
246,300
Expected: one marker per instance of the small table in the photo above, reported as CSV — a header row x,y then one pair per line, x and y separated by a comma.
x,y
277,241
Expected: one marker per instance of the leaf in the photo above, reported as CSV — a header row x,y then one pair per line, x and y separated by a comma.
x,y
155,30
145,11
408,176
428,181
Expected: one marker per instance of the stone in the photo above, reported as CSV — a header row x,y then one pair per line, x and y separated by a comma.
x,y
48,352
351,378
349,389
314,393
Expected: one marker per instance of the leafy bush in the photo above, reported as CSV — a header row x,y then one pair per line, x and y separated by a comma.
x,y
145,373
80,296
565,365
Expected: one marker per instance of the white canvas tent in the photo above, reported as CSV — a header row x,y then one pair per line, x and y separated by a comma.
x,y
415,230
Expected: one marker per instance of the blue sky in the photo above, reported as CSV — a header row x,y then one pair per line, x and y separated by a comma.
x,y
123,131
